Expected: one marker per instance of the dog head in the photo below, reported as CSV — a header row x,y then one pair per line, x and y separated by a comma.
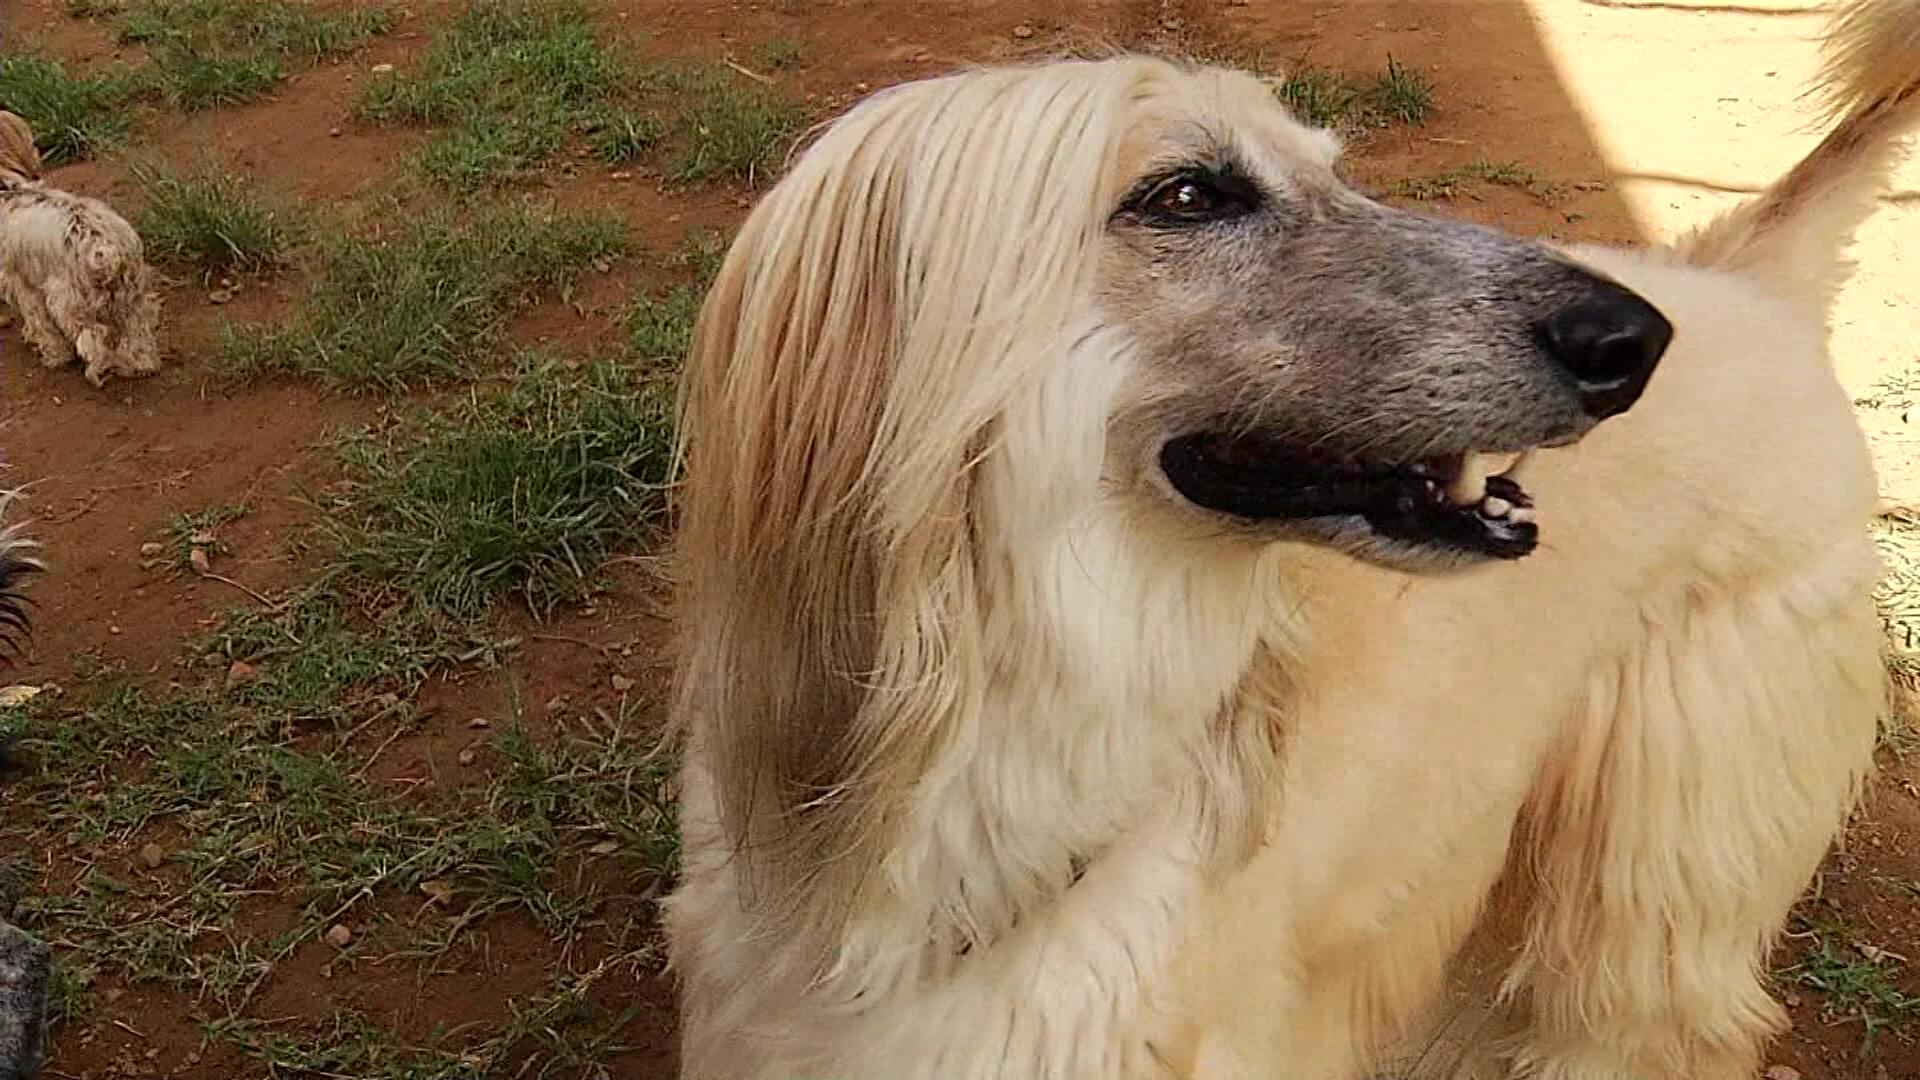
x,y
1309,364
1125,303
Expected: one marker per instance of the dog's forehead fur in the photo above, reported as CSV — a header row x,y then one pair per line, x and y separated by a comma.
x,y
1212,114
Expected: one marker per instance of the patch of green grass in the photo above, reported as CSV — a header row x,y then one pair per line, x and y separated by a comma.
x,y
201,529
512,79
211,219
621,137
255,788
1856,987
1331,99
558,1033
727,127
782,54
525,490
425,304
72,116
660,328
275,27
1317,97
1451,183
513,82
192,79
495,147
1398,95
205,53
659,325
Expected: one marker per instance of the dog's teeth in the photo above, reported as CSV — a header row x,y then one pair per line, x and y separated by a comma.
x,y
1521,515
1468,488
1495,507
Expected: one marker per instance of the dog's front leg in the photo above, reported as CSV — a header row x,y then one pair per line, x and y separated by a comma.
x,y
1690,805
38,325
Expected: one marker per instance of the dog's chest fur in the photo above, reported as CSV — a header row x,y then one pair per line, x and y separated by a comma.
x,y
1054,842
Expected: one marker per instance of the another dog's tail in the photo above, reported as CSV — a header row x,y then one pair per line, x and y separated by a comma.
x,y
17,564
1794,234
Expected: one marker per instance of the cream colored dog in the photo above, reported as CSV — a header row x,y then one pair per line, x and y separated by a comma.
x,y
74,270
1149,611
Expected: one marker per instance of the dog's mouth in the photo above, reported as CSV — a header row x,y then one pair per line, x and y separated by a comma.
x,y
1468,503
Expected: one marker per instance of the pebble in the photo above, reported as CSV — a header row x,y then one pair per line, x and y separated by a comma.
x,y
238,672
152,855
339,936
152,549
381,69
1023,31
1781,1072
622,683
468,756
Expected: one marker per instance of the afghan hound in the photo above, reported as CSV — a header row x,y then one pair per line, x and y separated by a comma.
x,y
1149,611
74,271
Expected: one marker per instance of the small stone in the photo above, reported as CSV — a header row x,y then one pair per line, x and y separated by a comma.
x,y
604,847
152,549
339,936
1023,31
1781,1072
152,855
381,69
219,296
239,671
333,133
468,756
479,723
437,891
622,683
197,558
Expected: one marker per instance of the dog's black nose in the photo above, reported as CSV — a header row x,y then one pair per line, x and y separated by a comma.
x,y
1610,343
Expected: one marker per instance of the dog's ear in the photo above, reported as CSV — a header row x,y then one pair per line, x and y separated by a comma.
x,y
876,315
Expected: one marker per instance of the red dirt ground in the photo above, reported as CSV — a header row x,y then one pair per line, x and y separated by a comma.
x,y
112,468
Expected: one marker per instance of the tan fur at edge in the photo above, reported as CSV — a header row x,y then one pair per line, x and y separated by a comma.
x,y
19,158
1794,235
1654,726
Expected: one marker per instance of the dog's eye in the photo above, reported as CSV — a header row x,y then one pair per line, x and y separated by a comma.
x,y
1191,199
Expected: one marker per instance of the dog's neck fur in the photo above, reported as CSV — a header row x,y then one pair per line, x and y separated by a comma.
x,y
1108,772
1082,740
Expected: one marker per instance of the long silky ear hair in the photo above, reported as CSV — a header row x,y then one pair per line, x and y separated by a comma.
x,y
879,309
